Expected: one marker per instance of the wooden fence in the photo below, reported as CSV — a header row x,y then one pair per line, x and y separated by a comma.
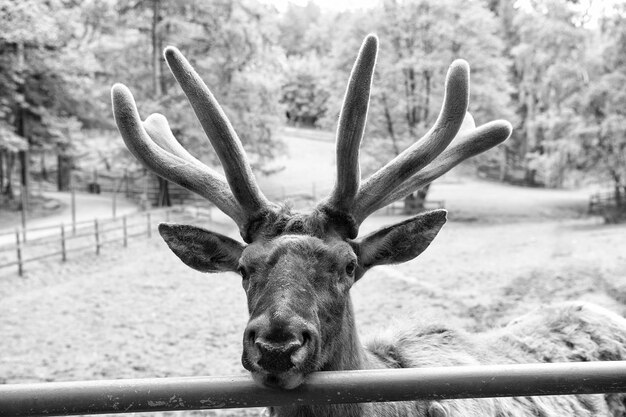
x,y
65,241
598,201
607,205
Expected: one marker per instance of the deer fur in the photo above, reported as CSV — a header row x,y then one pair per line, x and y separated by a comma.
x,y
297,269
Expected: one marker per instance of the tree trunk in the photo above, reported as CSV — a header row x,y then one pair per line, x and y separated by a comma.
x,y
410,105
156,50
64,172
158,84
8,190
44,171
164,193
24,169
415,203
2,157
617,187
504,164
390,128
427,93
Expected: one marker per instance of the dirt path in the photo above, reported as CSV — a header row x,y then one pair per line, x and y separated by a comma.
x,y
309,169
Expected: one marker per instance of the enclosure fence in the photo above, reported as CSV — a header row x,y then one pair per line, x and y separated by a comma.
x,y
64,241
321,388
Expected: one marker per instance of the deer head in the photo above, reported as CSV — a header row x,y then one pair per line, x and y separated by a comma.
x,y
297,268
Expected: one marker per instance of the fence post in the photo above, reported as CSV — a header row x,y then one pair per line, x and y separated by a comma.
x,y
114,203
97,232
73,211
126,182
63,253
125,231
148,221
24,197
20,270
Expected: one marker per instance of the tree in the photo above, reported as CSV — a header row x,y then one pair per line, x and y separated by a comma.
x,y
603,107
45,77
419,39
304,93
231,45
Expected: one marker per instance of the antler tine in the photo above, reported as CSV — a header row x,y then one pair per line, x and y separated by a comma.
x,y
387,179
351,126
159,130
467,145
220,132
170,164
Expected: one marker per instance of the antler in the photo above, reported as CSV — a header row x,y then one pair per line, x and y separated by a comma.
x,y
410,170
238,195
153,143
351,126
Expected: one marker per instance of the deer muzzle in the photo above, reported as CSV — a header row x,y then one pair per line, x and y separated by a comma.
x,y
279,353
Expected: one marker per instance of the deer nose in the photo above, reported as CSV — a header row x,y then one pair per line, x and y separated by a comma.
x,y
277,357
279,348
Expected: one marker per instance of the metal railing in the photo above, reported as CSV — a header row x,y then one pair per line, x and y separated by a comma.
x,y
322,388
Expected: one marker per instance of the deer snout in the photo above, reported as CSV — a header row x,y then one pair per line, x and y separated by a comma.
x,y
279,347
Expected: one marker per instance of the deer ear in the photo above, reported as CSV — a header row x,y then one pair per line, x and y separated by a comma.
x,y
202,249
400,242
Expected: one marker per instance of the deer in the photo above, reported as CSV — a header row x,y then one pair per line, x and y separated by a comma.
x,y
297,267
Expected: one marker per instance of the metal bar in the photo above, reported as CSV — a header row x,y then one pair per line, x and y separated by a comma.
x,y
322,388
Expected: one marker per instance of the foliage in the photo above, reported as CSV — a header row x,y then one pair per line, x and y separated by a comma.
x,y
549,78
603,135
230,43
552,67
46,80
59,59
303,93
418,41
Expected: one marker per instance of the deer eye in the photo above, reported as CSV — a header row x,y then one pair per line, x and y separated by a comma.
x,y
243,272
350,268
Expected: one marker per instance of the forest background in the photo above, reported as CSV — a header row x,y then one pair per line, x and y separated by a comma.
x,y
555,68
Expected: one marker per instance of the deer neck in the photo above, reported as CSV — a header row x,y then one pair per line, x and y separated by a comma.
x,y
348,355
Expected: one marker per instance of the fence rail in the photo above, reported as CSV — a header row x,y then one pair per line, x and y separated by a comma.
x,y
322,388
59,241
